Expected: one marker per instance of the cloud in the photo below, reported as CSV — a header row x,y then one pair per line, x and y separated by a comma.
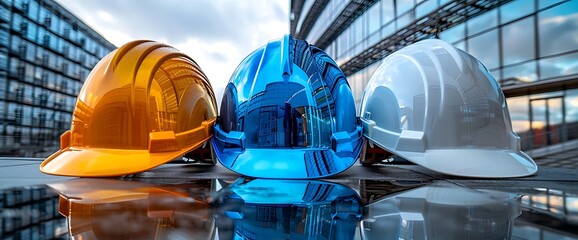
x,y
217,34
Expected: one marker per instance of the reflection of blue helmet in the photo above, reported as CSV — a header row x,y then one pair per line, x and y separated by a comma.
x,y
287,112
288,209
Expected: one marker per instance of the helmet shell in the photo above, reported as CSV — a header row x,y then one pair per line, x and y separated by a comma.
x,y
287,112
439,107
142,105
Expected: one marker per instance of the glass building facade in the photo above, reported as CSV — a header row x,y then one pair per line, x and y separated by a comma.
x,y
530,47
31,213
45,54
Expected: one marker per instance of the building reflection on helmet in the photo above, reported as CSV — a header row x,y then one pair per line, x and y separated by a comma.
x,y
287,112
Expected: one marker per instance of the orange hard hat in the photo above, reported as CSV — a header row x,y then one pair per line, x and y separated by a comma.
x,y
142,105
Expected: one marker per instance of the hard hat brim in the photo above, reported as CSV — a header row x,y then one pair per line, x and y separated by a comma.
x,y
104,162
279,163
480,163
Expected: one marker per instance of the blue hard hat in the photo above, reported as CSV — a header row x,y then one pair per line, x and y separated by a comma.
x,y
287,112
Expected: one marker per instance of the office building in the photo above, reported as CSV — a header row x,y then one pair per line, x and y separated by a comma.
x,y
45,54
31,213
529,46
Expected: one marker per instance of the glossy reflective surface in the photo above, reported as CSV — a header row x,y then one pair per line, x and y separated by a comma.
x,y
288,209
430,101
110,209
442,212
142,105
282,209
289,97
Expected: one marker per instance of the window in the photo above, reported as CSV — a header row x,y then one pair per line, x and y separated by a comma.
x,y
425,7
387,12
23,28
483,22
453,34
522,73
21,70
388,29
403,6
547,3
22,49
405,20
519,113
46,40
557,29
45,59
571,106
559,66
31,33
4,38
485,48
66,33
516,9
518,42
33,10
47,21
374,18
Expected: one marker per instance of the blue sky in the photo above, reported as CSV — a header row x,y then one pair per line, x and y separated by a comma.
x,y
218,34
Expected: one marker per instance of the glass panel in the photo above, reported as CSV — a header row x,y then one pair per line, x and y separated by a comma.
x,y
387,13
405,20
453,34
388,29
425,7
374,18
555,115
516,9
352,41
373,39
403,6
518,107
483,22
558,29
485,48
546,3
538,123
523,73
359,30
343,43
571,106
518,41
559,66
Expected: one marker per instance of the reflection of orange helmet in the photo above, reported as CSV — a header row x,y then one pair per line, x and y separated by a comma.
x,y
142,105
113,209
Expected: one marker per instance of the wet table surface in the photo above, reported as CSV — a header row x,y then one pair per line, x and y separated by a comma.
x,y
184,201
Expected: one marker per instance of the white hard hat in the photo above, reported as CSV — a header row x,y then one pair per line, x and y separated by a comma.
x,y
439,107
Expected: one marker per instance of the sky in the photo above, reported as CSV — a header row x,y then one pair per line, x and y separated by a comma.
x,y
217,34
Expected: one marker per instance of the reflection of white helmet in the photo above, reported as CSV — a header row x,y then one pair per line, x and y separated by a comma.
x,y
442,212
439,107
